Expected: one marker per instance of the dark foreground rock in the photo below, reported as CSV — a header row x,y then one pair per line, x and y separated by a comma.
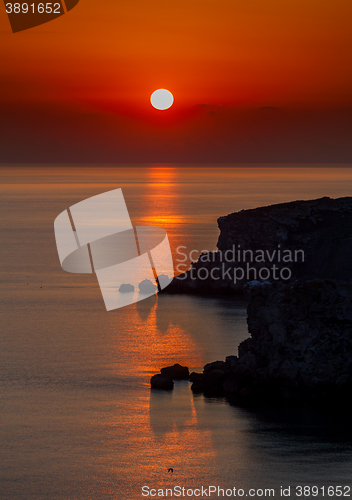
x,y
279,243
300,347
175,372
165,379
160,382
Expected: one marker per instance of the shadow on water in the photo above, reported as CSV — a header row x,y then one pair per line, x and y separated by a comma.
x,y
145,307
305,432
169,410
304,422
164,316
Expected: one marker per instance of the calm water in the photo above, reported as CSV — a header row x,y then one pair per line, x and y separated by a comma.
x,y
78,420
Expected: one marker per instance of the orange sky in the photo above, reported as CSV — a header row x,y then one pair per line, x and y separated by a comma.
x,y
94,69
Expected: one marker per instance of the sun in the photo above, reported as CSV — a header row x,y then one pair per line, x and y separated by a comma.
x,y
162,99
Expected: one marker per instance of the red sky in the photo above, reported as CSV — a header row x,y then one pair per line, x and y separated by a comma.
x,y
253,80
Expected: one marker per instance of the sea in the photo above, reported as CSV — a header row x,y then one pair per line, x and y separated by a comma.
x,y
78,420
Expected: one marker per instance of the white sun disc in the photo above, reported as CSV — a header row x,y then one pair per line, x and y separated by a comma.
x,y
162,99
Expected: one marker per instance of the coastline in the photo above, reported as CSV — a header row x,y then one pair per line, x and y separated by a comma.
x,y
300,348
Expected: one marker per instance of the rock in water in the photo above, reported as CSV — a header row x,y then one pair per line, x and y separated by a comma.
x,y
160,382
146,286
303,239
176,372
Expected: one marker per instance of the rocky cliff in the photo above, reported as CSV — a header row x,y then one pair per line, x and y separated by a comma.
x,y
300,346
278,243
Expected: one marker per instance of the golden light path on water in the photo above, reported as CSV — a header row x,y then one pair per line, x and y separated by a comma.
x,y
172,426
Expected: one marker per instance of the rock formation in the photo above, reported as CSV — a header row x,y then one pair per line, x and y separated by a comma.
x,y
300,346
176,372
165,379
146,286
279,243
